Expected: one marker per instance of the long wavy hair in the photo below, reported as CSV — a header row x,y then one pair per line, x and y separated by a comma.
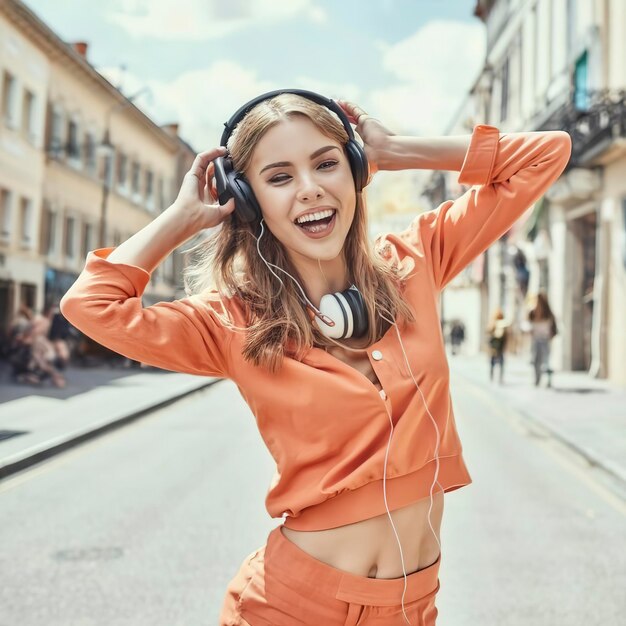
x,y
541,310
277,323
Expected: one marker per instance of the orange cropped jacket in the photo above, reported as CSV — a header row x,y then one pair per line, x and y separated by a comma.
x,y
324,423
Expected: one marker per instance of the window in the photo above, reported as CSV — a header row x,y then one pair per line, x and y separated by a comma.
x,y
28,115
70,238
122,166
90,153
135,178
581,92
49,231
9,94
26,222
87,239
73,146
149,187
56,135
5,215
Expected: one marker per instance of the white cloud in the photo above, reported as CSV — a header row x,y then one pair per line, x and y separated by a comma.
x,y
435,69
205,19
343,90
200,100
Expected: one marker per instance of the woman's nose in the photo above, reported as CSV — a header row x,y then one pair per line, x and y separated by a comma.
x,y
309,189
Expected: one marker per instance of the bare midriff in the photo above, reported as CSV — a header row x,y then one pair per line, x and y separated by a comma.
x,y
369,547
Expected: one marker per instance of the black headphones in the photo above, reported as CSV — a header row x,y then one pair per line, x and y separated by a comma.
x,y
233,184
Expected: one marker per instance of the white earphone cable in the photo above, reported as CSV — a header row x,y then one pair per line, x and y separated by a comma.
x,y
436,476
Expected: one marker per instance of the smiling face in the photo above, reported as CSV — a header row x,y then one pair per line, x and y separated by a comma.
x,y
294,169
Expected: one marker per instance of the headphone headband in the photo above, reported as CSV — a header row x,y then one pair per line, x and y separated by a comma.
x,y
310,95
233,184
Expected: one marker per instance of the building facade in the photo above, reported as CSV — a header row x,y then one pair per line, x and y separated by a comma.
x,y
82,167
25,75
561,64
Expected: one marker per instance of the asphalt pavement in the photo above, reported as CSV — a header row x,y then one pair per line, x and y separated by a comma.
x,y
587,415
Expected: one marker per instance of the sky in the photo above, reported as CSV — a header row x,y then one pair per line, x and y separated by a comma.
x,y
407,62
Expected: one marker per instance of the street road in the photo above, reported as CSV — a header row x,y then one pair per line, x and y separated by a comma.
x,y
146,525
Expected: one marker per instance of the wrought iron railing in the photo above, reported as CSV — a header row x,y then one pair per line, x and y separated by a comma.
x,y
594,119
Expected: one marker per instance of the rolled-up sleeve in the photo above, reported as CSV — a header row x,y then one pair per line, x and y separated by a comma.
x,y
508,173
185,335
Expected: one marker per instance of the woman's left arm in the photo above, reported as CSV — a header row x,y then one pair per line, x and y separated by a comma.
x,y
387,151
507,173
423,153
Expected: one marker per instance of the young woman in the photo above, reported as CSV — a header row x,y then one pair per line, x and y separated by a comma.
x,y
543,330
334,343
497,336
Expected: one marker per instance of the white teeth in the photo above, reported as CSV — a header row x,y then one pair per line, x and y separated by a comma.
x,y
315,216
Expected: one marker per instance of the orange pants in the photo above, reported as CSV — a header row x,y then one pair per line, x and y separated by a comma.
x,y
281,585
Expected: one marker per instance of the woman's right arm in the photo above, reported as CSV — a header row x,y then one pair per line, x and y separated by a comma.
x,y
105,301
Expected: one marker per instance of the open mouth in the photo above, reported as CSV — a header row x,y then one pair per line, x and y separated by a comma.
x,y
318,226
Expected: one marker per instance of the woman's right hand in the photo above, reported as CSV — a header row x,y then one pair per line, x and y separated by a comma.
x,y
197,197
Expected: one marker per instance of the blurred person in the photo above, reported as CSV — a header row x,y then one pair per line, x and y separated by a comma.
x,y
326,337
543,330
457,335
497,336
58,336
20,351
42,351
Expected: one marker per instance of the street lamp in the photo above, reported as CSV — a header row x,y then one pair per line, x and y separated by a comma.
x,y
105,150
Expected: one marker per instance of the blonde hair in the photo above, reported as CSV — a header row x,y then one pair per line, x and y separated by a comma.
x,y
278,324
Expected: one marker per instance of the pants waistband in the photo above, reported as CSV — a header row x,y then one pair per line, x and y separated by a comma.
x,y
301,566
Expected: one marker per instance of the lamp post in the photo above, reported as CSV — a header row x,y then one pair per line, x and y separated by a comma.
x,y
107,150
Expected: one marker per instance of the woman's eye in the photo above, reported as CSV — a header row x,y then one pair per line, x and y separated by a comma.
x,y
325,165
277,179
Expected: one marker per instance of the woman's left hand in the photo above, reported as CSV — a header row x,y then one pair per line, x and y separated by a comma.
x,y
375,136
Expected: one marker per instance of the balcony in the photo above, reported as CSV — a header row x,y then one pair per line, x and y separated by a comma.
x,y
596,121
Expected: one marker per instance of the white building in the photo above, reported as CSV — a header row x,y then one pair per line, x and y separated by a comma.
x,y
561,64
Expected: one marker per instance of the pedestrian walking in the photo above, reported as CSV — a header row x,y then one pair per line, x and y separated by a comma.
x,y
457,336
58,335
497,337
543,330
335,344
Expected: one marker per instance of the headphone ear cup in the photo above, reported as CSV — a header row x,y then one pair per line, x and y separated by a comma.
x,y
246,204
333,307
359,312
231,184
358,164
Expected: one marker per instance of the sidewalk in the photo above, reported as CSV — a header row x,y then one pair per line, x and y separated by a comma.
x,y
39,422
587,414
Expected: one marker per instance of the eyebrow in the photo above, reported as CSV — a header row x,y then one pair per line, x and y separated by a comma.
x,y
286,163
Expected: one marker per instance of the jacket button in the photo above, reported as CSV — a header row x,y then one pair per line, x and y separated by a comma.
x,y
383,394
377,355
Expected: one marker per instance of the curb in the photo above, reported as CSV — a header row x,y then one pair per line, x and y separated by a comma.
x,y
588,454
35,454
